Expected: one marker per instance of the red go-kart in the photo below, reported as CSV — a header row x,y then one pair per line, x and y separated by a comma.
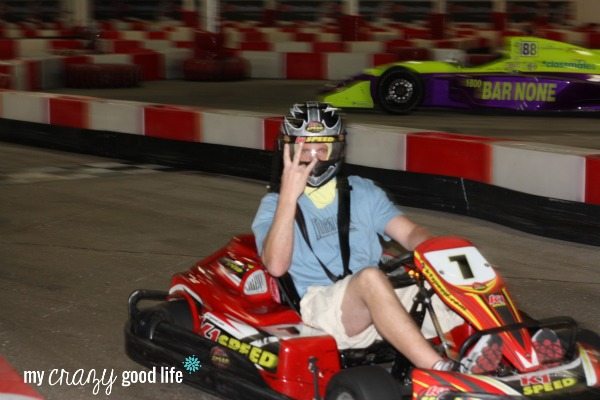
x,y
243,328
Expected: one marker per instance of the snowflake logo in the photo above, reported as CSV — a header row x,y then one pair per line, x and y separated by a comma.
x,y
191,364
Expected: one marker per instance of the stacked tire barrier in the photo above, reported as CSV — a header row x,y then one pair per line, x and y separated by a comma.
x,y
100,76
213,62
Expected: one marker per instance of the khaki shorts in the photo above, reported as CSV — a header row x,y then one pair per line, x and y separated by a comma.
x,y
321,308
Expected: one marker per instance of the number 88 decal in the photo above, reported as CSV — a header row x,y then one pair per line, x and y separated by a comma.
x,y
528,48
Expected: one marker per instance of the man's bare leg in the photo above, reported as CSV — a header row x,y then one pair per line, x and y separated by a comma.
x,y
370,299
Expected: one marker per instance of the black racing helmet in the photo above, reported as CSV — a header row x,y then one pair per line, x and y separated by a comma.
x,y
316,123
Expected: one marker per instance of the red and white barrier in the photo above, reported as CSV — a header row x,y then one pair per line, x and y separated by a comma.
x,y
377,146
232,128
25,106
116,116
552,171
543,169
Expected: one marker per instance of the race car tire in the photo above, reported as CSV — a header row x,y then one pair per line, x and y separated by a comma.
x,y
175,312
363,383
399,91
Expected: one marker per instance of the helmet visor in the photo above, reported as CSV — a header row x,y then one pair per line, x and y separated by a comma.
x,y
321,151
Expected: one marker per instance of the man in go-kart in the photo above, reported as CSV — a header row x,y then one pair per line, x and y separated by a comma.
x,y
323,228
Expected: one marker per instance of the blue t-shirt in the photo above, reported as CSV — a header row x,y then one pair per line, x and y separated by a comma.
x,y
370,212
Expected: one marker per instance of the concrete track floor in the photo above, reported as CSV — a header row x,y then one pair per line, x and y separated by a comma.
x,y
74,244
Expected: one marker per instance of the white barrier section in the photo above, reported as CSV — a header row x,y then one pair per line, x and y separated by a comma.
x,y
117,116
233,38
111,58
276,36
32,47
343,65
182,34
540,169
233,128
158,45
134,35
26,106
365,47
328,37
384,36
265,64
377,146
292,47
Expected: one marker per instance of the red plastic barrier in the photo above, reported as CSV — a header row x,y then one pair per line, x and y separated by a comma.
x,y
439,153
126,46
151,64
69,111
66,44
8,49
412,53
271,129
305,66
305,37
256,46
328,47
392,45
384,58
592,179
171,122
593,40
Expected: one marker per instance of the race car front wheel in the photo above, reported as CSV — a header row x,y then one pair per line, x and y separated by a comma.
x,y
363,383
399,91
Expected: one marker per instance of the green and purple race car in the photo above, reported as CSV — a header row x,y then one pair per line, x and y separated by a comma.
x,y
533,74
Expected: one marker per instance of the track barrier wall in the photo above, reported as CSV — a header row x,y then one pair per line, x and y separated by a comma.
x,y
546,189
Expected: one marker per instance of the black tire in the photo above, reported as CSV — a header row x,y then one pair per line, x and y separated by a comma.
x,y
399,91
363,383
176,312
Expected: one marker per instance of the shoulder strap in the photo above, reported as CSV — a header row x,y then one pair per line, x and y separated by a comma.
x,y
344,221
343,229
302,225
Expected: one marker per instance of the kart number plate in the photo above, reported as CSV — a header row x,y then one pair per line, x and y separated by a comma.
x,y
462,266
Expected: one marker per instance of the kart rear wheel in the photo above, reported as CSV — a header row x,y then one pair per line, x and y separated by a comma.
x,y
363,383
399,91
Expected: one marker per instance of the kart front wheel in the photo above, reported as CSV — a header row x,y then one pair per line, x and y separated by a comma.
x,y
176,312
363,383
399,91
